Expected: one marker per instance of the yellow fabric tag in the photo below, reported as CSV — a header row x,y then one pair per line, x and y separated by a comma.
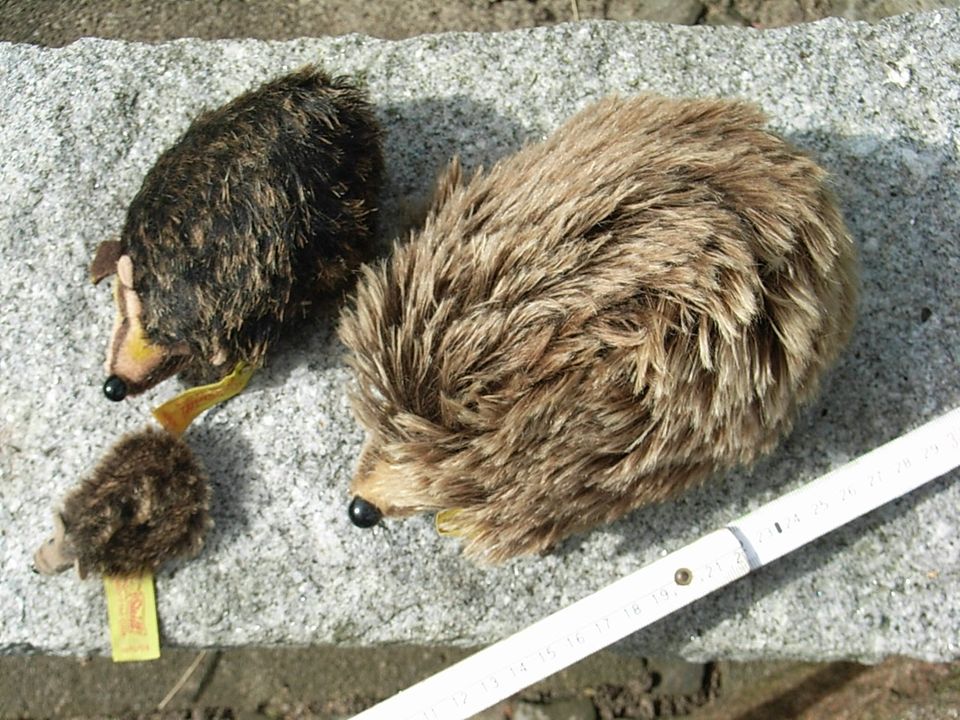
x,y
176,415
446,522
132,614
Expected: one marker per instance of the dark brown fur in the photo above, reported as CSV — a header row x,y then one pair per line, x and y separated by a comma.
x,y
145,503
263,205
598,322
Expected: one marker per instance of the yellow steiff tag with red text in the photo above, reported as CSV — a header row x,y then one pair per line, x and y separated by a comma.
x,y
176,414
132,615
446,522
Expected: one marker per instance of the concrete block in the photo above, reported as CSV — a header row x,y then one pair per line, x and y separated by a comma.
x,y
79,126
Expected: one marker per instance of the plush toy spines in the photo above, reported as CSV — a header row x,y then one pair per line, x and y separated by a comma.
x,y
598,322
261,209
146,502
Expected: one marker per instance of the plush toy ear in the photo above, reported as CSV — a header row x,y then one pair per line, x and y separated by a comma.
x,y
105,261
124,267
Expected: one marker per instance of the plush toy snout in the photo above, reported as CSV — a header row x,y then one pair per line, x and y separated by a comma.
x,y
54,555
115,388
134,363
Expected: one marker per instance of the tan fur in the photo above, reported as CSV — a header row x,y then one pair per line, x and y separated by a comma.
x,y
55,555
598,322
130,355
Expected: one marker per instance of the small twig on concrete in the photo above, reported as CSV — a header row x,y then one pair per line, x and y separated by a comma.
x,y
576,9
183,679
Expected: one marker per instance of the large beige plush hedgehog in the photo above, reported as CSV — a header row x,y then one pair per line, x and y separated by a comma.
x,y
599,322
264,206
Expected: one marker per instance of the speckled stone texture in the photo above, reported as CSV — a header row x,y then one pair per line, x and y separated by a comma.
x,y
79,127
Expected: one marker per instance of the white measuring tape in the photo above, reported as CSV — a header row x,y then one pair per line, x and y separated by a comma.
x,y
629,604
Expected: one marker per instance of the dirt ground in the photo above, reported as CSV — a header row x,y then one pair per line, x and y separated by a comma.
x,y
58,22
337,682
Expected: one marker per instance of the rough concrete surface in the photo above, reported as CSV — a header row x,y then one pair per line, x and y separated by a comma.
x,y
80,126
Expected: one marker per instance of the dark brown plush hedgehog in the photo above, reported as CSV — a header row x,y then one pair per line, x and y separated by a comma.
x,y
262,206
598,322
146,503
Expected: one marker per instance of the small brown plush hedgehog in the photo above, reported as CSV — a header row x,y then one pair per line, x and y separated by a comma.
x,y
598,322
146,502
262,206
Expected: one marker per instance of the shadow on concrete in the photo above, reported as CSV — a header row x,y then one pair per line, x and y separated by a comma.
x,y
422,135
228,457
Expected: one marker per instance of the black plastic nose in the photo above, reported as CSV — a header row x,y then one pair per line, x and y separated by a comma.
x,y
363,514
115,389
